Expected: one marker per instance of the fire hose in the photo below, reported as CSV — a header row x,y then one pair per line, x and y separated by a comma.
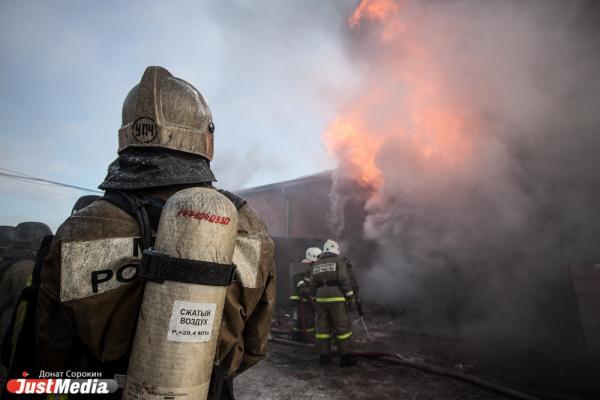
x,y
397,359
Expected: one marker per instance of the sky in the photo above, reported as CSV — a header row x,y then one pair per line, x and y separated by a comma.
x,y
274,74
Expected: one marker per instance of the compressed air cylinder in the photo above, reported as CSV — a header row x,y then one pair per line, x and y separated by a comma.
x,y
178,325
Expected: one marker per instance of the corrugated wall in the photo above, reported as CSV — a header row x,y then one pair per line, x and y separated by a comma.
x,y
296,214
295,209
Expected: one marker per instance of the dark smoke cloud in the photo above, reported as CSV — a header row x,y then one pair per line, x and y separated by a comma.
x,y
486,242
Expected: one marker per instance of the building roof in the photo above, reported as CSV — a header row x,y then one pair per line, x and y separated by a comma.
x,y
308,179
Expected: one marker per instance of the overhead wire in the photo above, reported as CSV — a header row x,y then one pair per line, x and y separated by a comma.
x,y
40,187
18,176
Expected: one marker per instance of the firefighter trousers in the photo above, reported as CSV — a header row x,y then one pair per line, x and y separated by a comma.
x,y
333,321
305,317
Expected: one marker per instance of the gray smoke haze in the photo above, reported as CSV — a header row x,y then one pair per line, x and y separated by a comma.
x,y
479,213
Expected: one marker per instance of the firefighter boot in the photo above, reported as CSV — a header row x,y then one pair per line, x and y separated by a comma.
x,y
346,360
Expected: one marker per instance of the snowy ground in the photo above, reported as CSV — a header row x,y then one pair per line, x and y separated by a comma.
x,y
293,373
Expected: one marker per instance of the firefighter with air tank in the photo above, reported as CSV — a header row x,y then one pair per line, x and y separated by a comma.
x,y
17,257
333,287
18,352
17,265
300,274
7,235
187,277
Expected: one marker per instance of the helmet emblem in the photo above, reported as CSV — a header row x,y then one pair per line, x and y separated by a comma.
x,y
144,130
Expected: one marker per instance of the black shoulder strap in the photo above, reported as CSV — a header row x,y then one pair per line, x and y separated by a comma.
x,y
145,209
36,275
238,202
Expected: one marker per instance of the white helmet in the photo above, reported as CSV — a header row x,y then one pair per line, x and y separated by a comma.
x,y
331,246
312,253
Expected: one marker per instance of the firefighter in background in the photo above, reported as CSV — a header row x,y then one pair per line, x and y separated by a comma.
x,y
15,269
331,286
7,235
165,146
18,262
304,309
18,352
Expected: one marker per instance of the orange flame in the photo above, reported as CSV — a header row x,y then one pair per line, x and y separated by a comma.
x,y
347,138
373,9
420,113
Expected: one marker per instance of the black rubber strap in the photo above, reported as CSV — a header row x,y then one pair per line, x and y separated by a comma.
x,y
160,267
36,275
144,208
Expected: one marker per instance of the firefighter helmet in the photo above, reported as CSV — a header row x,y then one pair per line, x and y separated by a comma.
x,y
312,253
166,137
27,239
167,112
30,234
331,246
83,202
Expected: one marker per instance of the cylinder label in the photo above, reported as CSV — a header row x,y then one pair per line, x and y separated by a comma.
x,y
191,322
